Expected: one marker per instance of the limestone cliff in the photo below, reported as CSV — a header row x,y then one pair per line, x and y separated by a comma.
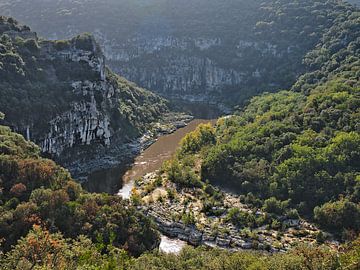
x,y
213,51
60,95
184,68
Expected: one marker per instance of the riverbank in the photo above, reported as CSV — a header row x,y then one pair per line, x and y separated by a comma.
x,y
156,154
104,174
204,214
179,213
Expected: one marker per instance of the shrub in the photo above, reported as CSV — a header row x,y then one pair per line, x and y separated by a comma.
x,y
272,205
338,215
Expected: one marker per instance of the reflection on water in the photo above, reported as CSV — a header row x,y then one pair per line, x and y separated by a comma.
x,y
199,110
169,245
154,156
106,180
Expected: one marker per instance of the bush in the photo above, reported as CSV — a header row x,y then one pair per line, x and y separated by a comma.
x,y
338,215
272,205
61,45
240,218
182,175
194,141
292,214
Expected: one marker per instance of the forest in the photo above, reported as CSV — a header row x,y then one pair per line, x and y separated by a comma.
x,y
48,222
289,155
294,149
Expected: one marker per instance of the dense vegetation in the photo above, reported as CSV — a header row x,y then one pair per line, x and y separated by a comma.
x,y
53,224
294,149
305,149
37,193
43,250
296,152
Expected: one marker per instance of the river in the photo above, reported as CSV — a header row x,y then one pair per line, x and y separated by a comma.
x,y
169,245
150,160
154,156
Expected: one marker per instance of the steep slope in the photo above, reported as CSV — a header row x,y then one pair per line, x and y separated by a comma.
x,y
193,50
36,192
283,155
275,130
60,95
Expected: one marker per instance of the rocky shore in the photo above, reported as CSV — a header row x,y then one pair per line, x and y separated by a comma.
x,y
120,155
232,238
216,231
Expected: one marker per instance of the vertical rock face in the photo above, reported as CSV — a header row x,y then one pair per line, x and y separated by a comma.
x,y
87,121
205,50
185,68
184,76
60,95
84,124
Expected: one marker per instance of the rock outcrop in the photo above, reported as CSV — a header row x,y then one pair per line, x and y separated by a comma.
x,y
182,216
197,51
62,97
234,239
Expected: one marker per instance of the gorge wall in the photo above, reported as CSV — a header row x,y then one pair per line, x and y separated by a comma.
x,y
87,120
182,68
217,52
60,95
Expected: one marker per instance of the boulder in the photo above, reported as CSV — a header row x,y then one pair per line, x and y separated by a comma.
x,y
223,242
246,245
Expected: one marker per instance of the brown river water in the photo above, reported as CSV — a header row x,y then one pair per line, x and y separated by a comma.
x,y
153,157
150,160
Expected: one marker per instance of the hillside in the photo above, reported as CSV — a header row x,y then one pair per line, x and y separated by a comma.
x,y
206,51
60,95
51,223
37,193
275,185
283,169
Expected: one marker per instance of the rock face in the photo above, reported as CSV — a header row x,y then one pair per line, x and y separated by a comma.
x,y
178,230
84,124
207,51
69,103
196,237
87,121
232,238
184,68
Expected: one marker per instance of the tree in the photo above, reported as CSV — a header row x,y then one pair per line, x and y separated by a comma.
x,y
338,215
204,135
38,248
272,205
18,189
